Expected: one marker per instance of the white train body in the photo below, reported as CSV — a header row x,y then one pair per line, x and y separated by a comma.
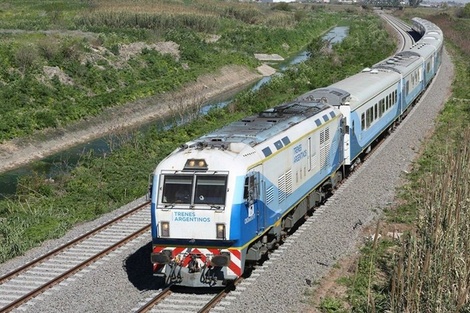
x,y
228,197
378,97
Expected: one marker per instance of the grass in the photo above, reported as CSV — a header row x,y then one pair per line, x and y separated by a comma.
x,y
331,305
85,40
431,269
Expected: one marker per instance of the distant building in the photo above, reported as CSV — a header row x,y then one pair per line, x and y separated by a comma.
x,y
277,1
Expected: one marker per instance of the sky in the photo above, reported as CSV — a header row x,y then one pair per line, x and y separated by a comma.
x,y
456,1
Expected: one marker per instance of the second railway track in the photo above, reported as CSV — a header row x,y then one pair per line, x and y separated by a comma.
x,y
26,282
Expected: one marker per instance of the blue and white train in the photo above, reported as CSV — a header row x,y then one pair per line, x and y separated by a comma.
x,y
227,198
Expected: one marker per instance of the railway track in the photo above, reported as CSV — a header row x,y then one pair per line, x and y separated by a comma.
x,y
169,301
404,31
24,283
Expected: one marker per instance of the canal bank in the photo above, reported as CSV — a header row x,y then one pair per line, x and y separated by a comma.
x,y
16,153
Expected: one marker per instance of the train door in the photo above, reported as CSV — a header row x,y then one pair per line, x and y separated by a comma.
x,y
400,99
348,127
254,199
343,139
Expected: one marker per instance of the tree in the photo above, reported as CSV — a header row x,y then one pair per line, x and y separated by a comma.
x,y
414,3
466,11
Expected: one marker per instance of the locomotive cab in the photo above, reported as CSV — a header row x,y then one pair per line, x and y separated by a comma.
x,y
190,245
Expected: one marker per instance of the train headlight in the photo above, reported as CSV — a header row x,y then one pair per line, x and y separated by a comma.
x,y
195,164
220,230
165,226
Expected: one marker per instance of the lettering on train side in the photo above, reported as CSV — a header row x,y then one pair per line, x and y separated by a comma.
x,y
299,153
179,216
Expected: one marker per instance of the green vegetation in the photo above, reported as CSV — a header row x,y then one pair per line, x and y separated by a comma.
x,y
464,12
331,305
427,269
45,209
63,61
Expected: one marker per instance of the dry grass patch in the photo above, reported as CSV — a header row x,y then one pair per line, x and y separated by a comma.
x,y
329,286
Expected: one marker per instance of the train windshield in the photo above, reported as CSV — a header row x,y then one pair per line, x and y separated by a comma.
x,y
195,189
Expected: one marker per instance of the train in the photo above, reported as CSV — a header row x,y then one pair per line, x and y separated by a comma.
x,y
221,202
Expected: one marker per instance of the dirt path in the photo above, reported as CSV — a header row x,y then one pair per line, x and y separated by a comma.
x,y
19,152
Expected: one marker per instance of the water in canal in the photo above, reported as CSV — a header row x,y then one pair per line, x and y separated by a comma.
x,y
67,159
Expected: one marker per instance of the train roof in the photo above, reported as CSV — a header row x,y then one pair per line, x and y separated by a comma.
x,y
424,26
330,95
255,129
401,62
423,48
363,86
431,34
431,39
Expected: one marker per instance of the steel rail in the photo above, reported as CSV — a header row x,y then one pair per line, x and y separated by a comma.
x,y
59,249
73,270
399,30
221,295
155,300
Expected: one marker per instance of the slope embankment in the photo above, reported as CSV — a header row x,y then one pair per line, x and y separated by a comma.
x,y
18,152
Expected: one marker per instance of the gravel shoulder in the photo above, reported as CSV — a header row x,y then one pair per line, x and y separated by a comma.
x,y
19,152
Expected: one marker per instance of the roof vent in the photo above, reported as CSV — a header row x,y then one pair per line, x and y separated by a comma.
x,y
367,69
374,71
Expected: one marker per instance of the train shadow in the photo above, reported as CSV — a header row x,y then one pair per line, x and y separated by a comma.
x,y
415,35
139,269
196,290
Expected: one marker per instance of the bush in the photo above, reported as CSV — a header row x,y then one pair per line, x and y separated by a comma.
x,y
25,57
